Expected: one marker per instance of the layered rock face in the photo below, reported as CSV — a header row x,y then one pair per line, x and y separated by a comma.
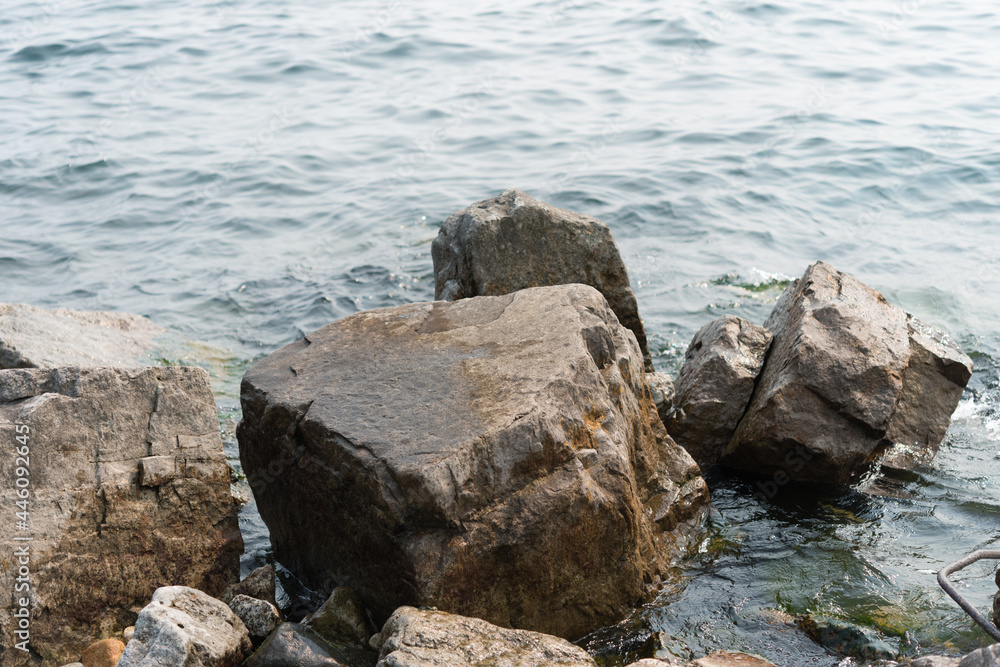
x,y
128,490
715,384
497,457
32,337
512,242
848,376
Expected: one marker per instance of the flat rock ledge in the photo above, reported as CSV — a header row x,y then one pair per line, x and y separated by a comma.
x,y
496,457
33,337
512,242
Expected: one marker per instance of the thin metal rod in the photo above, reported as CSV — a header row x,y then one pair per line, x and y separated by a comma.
x,y
942,578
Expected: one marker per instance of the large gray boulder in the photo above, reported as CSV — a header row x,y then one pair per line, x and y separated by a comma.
x,y
498,457
512,241
715,385
183,627
104,530
848,376
32,337
430,638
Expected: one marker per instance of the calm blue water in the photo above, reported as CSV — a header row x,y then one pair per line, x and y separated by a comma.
x,y
246,171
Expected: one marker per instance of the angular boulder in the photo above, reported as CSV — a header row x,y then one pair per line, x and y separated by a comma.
x,y
512,241
98,539
33,337
498,457
715,385
183,627
848,375
430,638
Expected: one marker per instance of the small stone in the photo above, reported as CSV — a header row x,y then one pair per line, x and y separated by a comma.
x,y
340,618
258,584
73,664
656,662
103,654
260,616
128,632
183,627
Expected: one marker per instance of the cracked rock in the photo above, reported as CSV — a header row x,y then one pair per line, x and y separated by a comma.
x,y
107,520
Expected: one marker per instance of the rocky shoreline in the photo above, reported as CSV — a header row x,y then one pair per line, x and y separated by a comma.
x,y
471,481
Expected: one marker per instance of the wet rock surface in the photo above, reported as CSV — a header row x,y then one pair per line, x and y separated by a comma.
x,y
103,538
512,241
498,457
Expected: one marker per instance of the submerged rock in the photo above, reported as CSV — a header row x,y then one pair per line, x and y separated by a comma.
x,y
295,645
498,457
102,537
846,638
715,385
183,627
848,375
430,638
511,242
33,337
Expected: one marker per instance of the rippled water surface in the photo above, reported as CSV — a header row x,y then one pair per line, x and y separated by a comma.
x,y
246,171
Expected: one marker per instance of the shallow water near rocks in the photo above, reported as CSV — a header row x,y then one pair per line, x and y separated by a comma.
x,y
246,171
